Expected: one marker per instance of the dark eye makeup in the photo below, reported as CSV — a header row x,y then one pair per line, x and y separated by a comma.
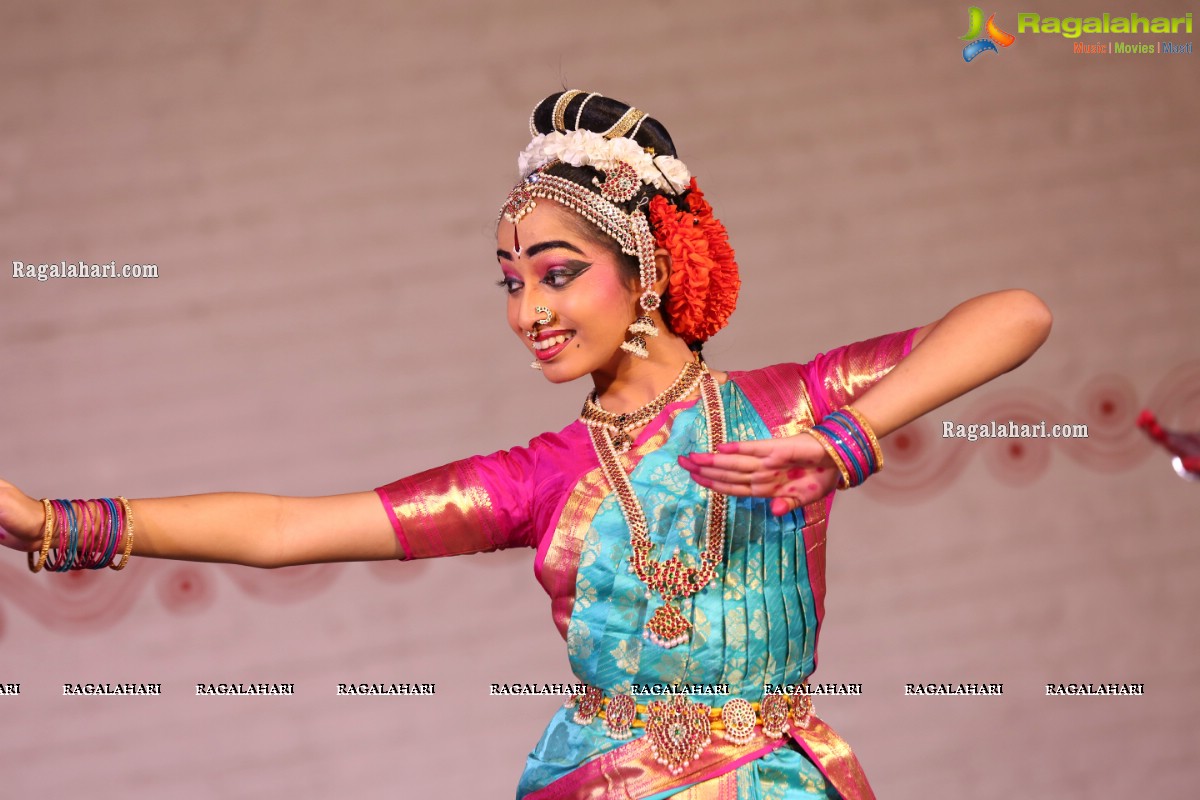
x,y
556,277
559,276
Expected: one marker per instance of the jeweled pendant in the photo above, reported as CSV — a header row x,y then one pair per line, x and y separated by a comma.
x,y
739,718
774,712
621,183
678,731
802,708
619,716
519,203
667,628
587,705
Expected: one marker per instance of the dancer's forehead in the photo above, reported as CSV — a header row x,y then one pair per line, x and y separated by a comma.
x,y
550,223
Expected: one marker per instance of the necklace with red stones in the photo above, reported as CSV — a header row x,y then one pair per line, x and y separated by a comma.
x,y
620,426
671,578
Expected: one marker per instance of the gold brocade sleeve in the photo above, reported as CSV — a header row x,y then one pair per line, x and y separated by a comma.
x,y
793,397
836,378
475,505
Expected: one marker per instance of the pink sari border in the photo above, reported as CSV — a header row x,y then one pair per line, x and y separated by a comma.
x,y
539,559
717,772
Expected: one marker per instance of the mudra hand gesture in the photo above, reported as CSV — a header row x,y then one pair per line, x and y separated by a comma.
x,y
794,470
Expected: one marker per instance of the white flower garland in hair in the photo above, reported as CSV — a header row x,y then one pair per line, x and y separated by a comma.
x,y
585,148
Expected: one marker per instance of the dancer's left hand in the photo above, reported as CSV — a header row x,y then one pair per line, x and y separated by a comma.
x,y
794,470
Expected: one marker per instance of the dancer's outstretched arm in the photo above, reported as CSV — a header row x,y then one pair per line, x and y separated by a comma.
x,y
975,342
257,530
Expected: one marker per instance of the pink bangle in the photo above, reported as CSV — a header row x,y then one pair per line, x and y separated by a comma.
x,y
86,533
96,542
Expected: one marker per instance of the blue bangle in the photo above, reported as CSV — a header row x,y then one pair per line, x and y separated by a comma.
x,y
850,424
835,439
73,542
114,533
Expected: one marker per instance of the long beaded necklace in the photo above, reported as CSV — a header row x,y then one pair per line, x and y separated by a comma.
x,y
671,578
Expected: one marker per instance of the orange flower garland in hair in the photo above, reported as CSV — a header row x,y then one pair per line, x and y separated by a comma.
x,y
704,280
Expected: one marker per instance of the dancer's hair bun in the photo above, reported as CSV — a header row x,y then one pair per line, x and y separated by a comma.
x,y
600,114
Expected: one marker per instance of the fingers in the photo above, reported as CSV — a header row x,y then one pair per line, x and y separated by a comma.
x,y
739,463
802,449
784,505
734,489
745,474
803,490
752,447
750,472
793,470
742,463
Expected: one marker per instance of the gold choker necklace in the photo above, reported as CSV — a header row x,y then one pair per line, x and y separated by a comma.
x,y
620,426
671,578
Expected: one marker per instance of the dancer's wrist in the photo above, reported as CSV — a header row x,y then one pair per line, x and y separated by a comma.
x,y
851,444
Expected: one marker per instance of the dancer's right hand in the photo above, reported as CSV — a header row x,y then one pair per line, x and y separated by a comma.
x,y
21,519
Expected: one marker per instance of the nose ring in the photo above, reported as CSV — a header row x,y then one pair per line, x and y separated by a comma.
x,y
537,323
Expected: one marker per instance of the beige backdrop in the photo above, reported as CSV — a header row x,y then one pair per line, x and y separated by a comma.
x,y
317,183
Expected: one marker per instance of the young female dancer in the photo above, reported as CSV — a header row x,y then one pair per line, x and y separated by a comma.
x,y
679,523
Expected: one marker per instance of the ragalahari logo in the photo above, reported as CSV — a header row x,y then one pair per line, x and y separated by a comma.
x,y
978,44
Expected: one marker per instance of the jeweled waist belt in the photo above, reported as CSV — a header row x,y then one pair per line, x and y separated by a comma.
x,y
679,729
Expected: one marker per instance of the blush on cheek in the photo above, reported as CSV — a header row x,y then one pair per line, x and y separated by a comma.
x,y
609,290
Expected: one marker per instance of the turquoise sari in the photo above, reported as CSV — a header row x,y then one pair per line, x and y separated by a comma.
x,y
755,624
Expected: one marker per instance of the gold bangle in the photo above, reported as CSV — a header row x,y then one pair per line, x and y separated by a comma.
x,y
833,454
866,426
47,535
128,535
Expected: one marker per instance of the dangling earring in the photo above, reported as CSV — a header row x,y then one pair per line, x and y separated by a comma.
x,y
643,326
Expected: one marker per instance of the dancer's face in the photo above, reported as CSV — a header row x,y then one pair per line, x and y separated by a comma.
x,y
574,272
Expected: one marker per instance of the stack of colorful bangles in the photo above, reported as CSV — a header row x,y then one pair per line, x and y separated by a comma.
x,y
88,534
852,445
